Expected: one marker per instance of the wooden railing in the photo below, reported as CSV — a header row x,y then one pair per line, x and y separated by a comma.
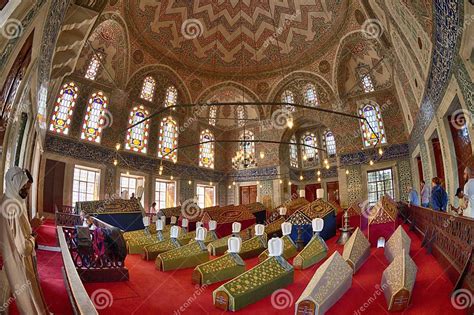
x,y
80,301
449,237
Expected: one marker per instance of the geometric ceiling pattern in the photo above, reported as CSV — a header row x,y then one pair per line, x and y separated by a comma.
x,y
220,36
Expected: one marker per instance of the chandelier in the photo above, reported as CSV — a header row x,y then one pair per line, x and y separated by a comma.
x,y
243,159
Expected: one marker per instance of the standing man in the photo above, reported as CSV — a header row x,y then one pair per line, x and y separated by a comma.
x,y
17,245
413,199
469,192
425,195
439,197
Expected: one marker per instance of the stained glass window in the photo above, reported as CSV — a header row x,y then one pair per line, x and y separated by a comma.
x,y
367,83
330,143
212,115
249,147
293,152
288,97
171,96
310,96
62,114
137,137
168,139
371,112
206,150
309,152
148,89
241,115
93,67
94,119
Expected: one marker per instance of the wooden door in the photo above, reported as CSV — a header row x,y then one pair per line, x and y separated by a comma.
x,y
333,192
420,169
462,148
438,155
53,185
310,191
248,194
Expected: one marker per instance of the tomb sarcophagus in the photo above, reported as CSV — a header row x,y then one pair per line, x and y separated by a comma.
x,y
222,268
314,251
329,283
398,243
218,247
398,281
256,245
187,256
255,284
150,252
289,247
125,214
302,218
273,229
290,207
356,250
379,221
225,216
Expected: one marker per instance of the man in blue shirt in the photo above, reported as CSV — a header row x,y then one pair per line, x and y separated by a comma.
x,y
439,197
413,198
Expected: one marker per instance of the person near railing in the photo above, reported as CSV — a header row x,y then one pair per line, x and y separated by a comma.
x,y
439,197
425,195
413,198
469,192
17,246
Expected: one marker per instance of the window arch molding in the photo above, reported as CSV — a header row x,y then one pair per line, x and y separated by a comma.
x,y
373,115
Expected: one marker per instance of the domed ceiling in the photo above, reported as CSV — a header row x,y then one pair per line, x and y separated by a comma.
x,y
224,36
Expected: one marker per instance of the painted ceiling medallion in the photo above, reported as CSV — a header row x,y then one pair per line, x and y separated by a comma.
x,y
222,36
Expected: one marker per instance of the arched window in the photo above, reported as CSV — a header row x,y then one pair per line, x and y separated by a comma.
x,y
212,115
371,112
309,152
62,114
310,96
330,143
148,89
288,97
94,119
94,65
241,115
168,139
137,136
367,83
248,147
171,96
293,152
206,150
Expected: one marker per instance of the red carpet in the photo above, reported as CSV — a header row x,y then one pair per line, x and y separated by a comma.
x,y
154,292
47,234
